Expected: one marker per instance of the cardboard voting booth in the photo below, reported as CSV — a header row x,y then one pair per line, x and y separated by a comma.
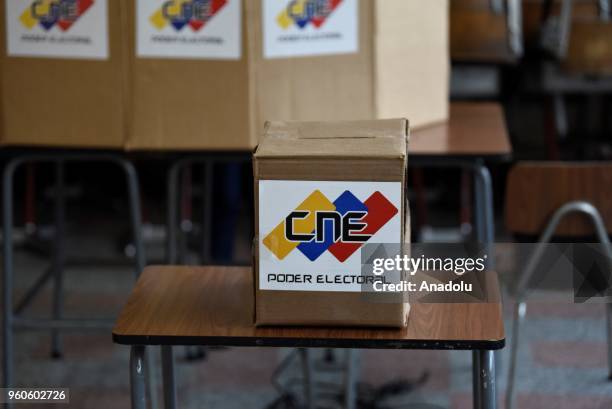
x,y
209,77
63,73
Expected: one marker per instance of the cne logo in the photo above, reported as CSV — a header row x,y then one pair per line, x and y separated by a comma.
x,y
340,227
303,12
181,13
51,13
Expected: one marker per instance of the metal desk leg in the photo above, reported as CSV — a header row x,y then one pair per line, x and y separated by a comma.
x,y
609,330
139,257
520,309
135,213
478,211
308,372
58,257
483,207
350,387
207,211
484,361
172,212
484,373
475,382
194,353
168,377
151,379
7,289
137,377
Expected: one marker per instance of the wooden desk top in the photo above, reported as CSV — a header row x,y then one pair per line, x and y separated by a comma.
x,y
214,306
473,129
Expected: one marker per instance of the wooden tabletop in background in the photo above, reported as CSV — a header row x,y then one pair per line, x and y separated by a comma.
x,y
473,129
173,305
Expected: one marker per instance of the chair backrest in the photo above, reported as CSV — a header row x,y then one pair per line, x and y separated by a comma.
x,y
588,50
579,36
535,190
485,31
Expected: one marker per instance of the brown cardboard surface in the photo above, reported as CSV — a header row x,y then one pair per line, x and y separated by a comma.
x,y
340,139
188,104
321,308
400,69
170,113
411,71
321,88
65,102
321,155
384,128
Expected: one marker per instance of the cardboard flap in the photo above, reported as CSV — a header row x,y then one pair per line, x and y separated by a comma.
x,y
369,138
340,129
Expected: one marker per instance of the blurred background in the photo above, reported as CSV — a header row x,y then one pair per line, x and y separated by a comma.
x,y
547,63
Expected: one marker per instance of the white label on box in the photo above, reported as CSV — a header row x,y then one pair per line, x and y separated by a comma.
x,y
294,28
189,29
297,255
57,28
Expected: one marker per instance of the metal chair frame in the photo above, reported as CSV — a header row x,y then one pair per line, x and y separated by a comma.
x,y
565,24
520,307
514,14
207,160
12,318
557,42
514,19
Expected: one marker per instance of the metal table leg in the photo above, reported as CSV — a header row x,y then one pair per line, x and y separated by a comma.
x,y
483,209
58,259
478,218
484,373
151,379
475,380
207,211
609,338
308,371
139,259
520,309
7,289
137,377
485,233
484,393
172,212
197,352
168,377
135,213
172,193
351,374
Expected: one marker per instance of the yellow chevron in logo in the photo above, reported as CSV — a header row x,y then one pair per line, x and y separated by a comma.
x,y
42,9
276,242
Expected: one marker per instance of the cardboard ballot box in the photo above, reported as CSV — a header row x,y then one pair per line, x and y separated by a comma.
x,y
208,74
63,80
322,190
